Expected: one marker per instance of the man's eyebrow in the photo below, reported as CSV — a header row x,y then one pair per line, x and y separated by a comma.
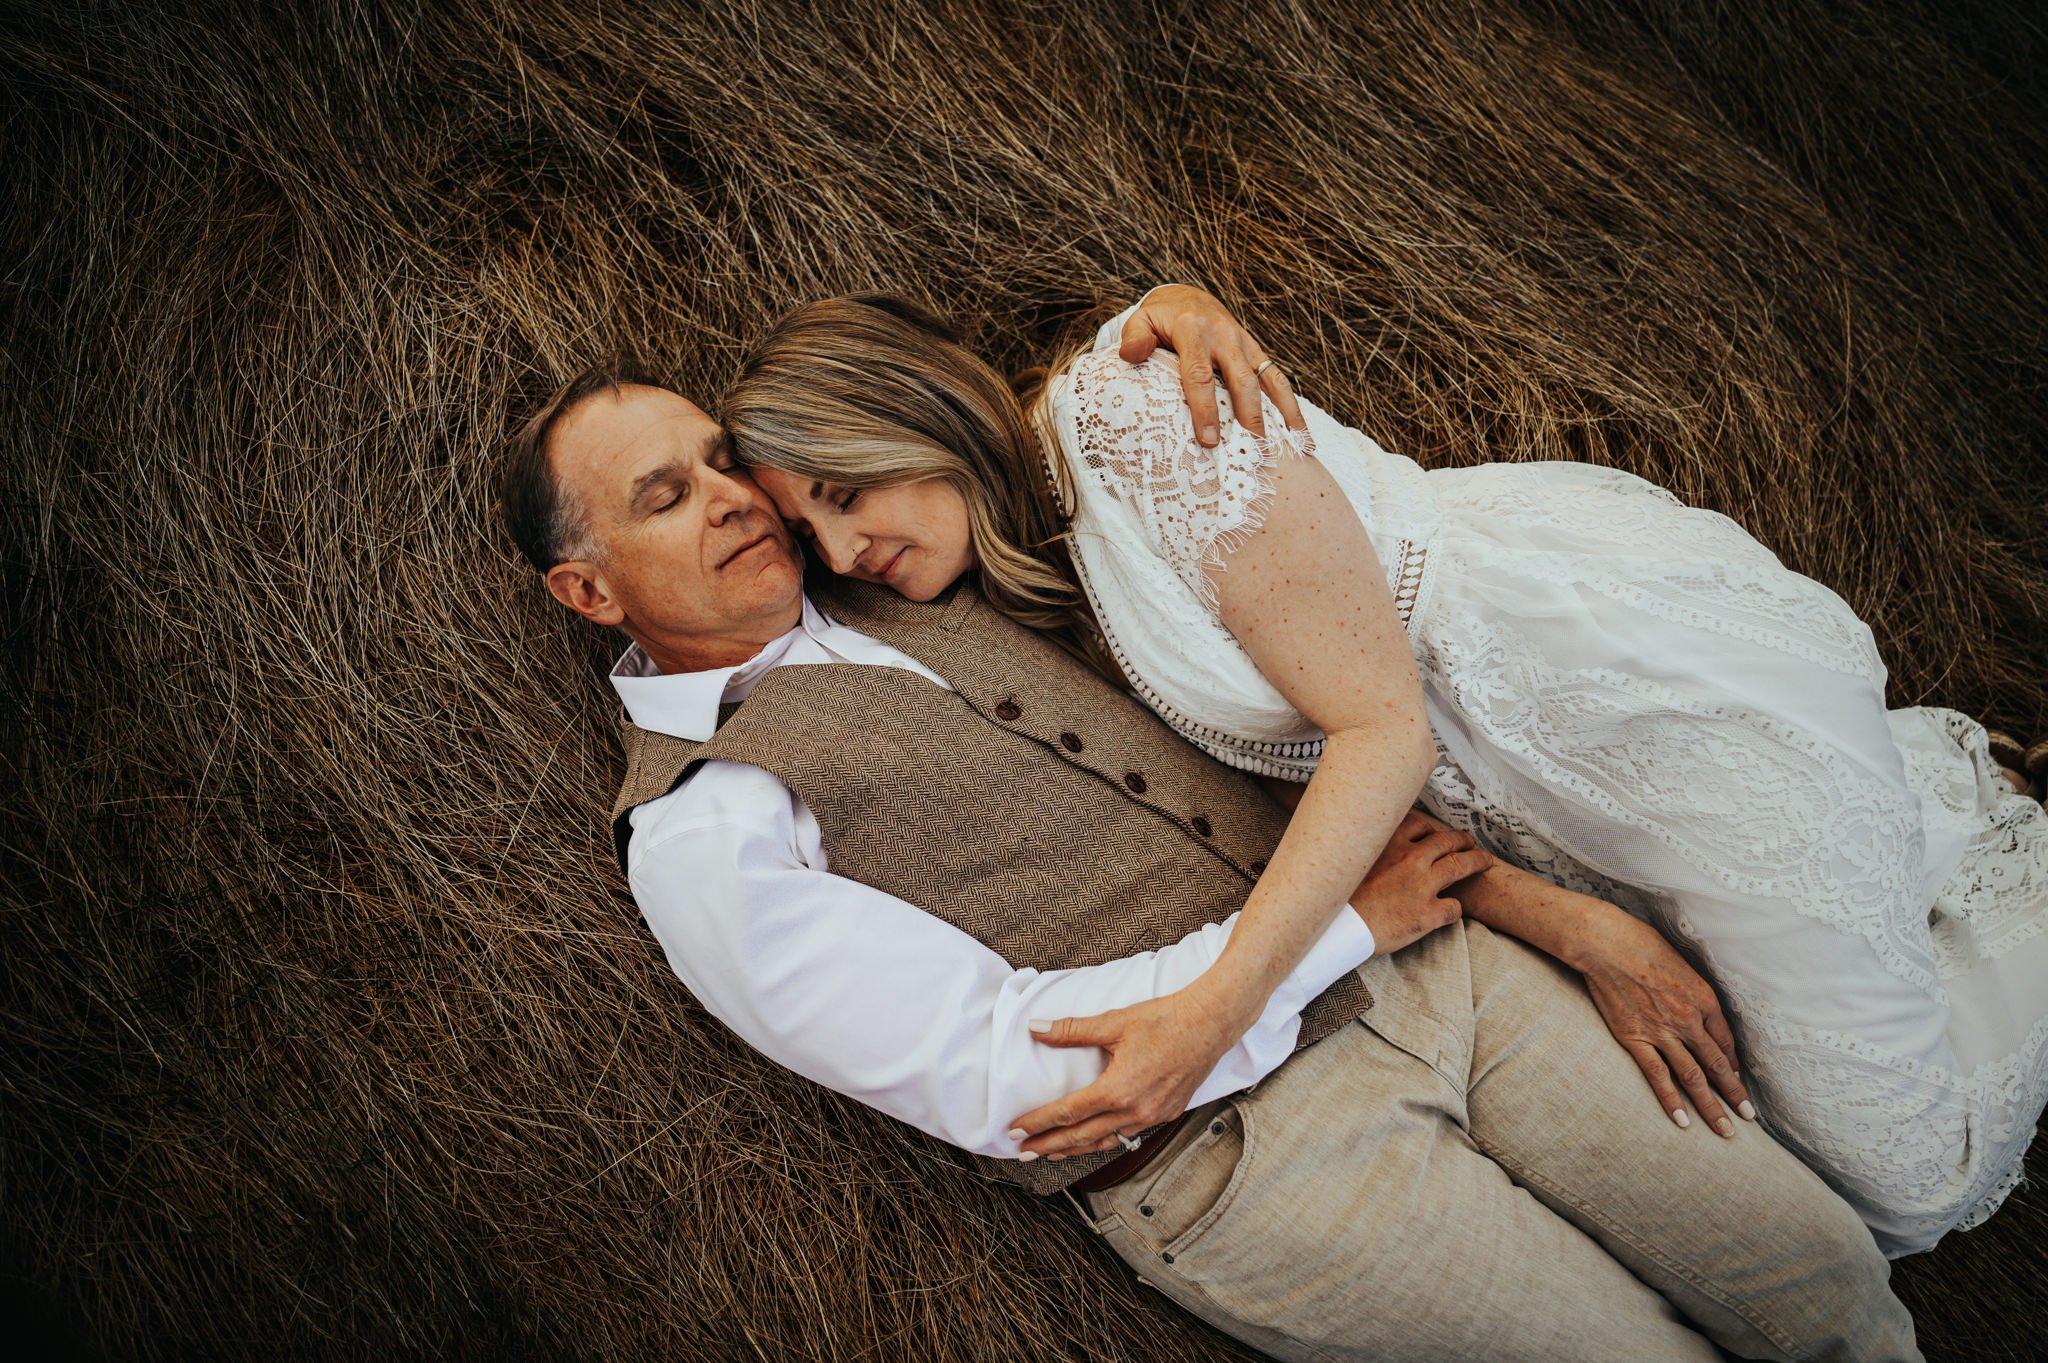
x,y
650,478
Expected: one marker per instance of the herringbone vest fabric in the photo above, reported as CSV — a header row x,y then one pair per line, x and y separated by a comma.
x,y
1036,808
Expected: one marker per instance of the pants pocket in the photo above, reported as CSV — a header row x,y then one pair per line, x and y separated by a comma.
x,y
1187,1197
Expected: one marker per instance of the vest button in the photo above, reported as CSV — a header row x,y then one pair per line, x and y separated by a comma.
x,y
1144,1211
1259,867
1008,710
1201,826
1215,1128
1136,781
1071,741
1167,1257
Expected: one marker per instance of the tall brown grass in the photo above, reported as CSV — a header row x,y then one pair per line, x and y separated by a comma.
x,y
328,1028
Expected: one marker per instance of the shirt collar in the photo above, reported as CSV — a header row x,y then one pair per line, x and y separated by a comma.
x,y
685,704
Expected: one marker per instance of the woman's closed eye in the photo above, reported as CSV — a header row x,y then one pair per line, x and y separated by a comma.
x,y
845,499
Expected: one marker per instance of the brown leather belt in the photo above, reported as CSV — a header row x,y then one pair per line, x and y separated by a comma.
x,y
1128,1164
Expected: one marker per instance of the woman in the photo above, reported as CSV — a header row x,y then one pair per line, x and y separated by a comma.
x,y
1631,697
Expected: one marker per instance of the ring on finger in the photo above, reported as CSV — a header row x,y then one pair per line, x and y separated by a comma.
x,y
1264,365
1129,1143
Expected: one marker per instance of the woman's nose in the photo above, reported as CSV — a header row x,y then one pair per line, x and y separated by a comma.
x,y
840,546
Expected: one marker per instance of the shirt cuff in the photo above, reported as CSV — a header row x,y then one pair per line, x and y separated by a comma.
x,y
1344,946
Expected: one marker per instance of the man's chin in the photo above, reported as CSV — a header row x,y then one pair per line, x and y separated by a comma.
x,y
785,571
782,605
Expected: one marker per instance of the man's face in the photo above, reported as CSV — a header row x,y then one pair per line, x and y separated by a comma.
x,y
690,558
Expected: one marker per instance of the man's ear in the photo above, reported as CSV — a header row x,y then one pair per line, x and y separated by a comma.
x,y
582,586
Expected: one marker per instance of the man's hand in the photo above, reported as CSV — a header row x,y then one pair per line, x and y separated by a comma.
x,y
1402,897
1667,1018
1210,343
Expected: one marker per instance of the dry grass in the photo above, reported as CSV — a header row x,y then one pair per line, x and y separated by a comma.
x,y
328,1028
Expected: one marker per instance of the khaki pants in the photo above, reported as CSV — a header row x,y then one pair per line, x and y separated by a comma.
x,y
1479,1172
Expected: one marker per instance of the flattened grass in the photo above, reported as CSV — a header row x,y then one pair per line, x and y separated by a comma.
x,y
329,1029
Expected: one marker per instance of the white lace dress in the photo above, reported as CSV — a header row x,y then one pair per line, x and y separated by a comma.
x,y
1637,700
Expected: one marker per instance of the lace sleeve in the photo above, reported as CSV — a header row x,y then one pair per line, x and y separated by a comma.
x,y
1136,441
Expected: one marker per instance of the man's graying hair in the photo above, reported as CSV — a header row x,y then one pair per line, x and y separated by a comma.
x,y
542,519
870,390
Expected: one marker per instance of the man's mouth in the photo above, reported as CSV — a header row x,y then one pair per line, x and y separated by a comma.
x,y
765,537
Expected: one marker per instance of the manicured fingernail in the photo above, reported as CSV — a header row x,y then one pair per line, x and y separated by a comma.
x,y
1724,1126
1040,1025
1209,435
1027,1157
1747,1109
1678,1115
1018,1133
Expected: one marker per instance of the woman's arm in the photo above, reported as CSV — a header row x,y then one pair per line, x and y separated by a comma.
x,y
1661,1012
1305,596
1301,589
1664,1014
1659,1008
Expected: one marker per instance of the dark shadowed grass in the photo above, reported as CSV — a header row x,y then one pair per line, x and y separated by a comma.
x,y
329,1030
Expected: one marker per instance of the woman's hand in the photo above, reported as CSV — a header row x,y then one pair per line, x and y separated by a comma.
x,y
1664,1015
1160,1051
1212,345
1667,1018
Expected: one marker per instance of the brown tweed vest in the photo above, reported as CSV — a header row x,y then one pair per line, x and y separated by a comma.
x,y
1037,808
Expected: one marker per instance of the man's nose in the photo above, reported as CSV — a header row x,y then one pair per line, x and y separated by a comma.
x,y
733,494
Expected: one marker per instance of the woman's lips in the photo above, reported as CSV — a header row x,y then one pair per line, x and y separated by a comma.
x,y
890,570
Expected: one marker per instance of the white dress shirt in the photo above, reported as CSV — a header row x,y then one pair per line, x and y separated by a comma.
x,y
861,991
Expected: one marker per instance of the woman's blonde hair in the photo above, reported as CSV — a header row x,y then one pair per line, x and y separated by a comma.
x,y
870,390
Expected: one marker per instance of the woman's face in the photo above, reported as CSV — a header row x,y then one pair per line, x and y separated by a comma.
x,y
911,537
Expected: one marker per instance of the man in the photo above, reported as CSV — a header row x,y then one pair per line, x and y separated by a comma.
x,y
878,842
